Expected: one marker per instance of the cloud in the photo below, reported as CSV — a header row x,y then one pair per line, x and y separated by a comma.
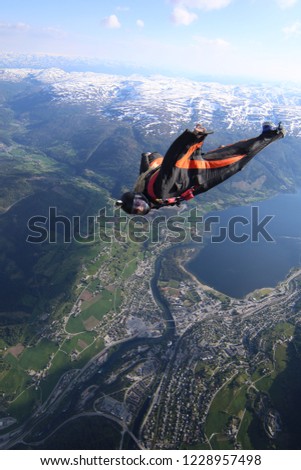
x,y
182,16
54,32
286,3
293,30
140,23
217,42
111,22
204,4
24,33
16,27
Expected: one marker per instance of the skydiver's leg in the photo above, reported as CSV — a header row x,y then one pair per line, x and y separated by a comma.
x,y
179,148
224,162
248,147
183,147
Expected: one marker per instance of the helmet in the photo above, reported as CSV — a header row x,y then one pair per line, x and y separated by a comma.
x,y
134,203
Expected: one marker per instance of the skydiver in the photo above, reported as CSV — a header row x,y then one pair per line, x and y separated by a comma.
x,y
185,172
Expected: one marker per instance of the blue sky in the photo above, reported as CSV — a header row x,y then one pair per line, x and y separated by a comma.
x,y
258,39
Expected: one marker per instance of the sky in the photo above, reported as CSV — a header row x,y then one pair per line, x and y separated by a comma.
x,y
250,39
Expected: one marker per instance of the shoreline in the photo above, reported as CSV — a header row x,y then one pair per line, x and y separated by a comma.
x,y
269,289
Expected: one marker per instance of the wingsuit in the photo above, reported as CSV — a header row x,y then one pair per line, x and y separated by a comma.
x,y
185,172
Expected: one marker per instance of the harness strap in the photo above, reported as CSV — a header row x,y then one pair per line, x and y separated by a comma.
x,y
150,185
151,192
185,196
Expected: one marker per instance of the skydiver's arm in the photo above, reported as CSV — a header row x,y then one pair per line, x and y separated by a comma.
x,y
150,160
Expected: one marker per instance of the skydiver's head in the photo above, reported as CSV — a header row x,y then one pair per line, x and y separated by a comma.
x,y
134,203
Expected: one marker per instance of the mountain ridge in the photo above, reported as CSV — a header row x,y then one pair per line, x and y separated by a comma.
x,y
156,101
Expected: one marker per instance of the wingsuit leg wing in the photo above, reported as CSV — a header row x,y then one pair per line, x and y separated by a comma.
x,y
223,162
183,147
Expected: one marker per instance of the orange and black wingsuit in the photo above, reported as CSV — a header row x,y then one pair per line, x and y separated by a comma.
x,y
184,172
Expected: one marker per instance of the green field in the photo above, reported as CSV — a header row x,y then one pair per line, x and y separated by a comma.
x,y
78,342
13,382
129,269
62,362
229,402
75,347
96,308
38,356
21,407
238,399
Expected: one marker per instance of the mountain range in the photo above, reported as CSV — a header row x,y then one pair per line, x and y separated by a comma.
x,y
157,102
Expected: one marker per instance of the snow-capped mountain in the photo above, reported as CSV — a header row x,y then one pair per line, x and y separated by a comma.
x,y
156,101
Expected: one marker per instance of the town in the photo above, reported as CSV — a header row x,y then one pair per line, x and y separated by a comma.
x,y
197,362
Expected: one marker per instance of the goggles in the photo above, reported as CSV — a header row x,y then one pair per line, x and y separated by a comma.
x,y
140,206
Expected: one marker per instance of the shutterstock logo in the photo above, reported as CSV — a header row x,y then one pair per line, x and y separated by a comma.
x,y
115,226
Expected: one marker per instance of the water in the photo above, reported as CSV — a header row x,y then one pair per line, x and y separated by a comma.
x,y
239,268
